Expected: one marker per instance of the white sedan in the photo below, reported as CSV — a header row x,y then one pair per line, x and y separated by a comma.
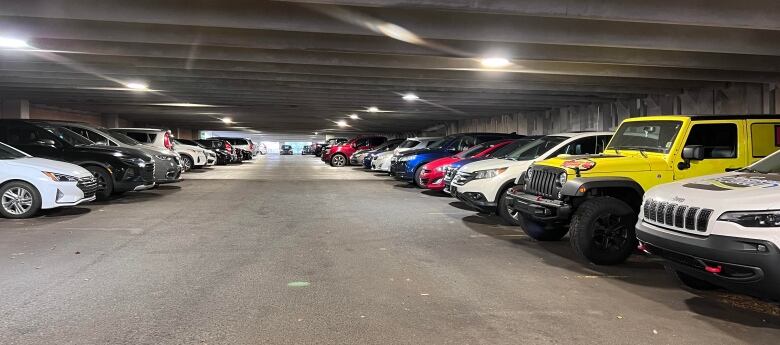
x,y
29,184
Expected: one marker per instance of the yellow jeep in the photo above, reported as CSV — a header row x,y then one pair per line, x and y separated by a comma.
x,y
596,198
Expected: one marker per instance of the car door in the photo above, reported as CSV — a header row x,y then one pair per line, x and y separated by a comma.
x,y
723,144
764,138
35,141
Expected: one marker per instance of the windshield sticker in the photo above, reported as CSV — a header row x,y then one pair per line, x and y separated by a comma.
x,y
734,182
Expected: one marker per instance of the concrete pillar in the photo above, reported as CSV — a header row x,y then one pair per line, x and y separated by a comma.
x,y
15,109
111,121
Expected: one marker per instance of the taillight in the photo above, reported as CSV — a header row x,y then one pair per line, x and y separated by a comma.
x,y
251,146
167,141
228,147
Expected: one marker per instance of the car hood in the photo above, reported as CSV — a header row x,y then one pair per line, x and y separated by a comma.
x,y
734,191
111,150
423,151
607,163
48,165
492,163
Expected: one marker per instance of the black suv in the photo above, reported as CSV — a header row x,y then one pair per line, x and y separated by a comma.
x,y
224,152
117,169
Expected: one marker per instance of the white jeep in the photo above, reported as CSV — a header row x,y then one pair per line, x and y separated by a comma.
x,y
718,230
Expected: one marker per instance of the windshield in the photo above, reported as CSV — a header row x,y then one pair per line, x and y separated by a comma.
x,y
408,144
387,145
474,150
654,136
67,135
438,144
121,137
509,148
535,148
7,152
768,165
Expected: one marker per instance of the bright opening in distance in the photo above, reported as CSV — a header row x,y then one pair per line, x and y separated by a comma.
x,y
342,123
373,109
495,62
227,120
410,97
6,42
354,116
137,86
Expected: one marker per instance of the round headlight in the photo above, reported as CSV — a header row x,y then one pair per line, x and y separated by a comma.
x,y
529,173
562,178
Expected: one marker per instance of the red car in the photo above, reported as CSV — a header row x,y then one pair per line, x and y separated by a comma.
x,y
432,176
338,155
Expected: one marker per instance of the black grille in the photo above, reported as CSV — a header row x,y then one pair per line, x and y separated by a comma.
x,y
543,182
676,257
88,186
462,178
678,216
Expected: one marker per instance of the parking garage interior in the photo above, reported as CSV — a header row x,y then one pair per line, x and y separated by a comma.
x,y
288,249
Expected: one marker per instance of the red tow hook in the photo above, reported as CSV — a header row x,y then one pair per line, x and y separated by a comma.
x,y
643,248
713,269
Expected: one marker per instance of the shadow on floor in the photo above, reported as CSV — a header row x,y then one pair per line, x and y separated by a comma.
x,y
436,193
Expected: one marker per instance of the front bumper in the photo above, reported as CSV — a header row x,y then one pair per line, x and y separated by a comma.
x,y
433,180
750,266
399,170
167,171
135,178
538,208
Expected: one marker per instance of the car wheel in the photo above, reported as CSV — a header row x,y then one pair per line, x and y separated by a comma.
x,y
19,200
418,178
508,214
690,281
187,162
338,160
104,180
602,231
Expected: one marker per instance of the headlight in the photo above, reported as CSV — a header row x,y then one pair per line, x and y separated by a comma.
x,y
562,178
406,158
483,174
753,219
163,157
60,177
529,173
134,161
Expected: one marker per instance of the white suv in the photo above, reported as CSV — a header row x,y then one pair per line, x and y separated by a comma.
x,y
718,230
483,184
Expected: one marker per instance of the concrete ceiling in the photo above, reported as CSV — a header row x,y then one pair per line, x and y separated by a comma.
x,y
298,65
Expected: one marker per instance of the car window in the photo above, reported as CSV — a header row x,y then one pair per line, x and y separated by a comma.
x,y
582,146
7,152
24,135
509,148
361,142
718,139
603,140
765,139
377,141
408,144
654,136
91,135
535,148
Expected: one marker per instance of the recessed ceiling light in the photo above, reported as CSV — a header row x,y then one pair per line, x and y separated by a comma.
x,y
354,116
135,85
372,109
342,123
191,105
410,97
495,62
227,120
316,133
12,43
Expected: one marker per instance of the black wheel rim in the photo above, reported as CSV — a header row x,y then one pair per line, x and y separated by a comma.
x,y
101,180
610,233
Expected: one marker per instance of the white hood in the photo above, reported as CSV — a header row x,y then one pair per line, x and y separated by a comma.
x,y
734,191
494,163
48,165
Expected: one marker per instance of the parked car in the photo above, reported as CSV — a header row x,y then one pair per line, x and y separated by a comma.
x,y
117,169
211,156
221,148
168,167
599,196
415,144
451,170
192,156
321,148
388,146
381,161
338,156
408,165
306,150
242,146
718,230
432,175
286,150
483,185
29,184
257,148
160,138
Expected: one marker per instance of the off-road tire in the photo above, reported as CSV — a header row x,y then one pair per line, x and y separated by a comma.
x,y
602,231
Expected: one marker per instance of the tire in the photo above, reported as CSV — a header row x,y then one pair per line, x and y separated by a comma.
x,y
187,162
689,281
105,182
19,200
602,231
417,179
511,217
338,160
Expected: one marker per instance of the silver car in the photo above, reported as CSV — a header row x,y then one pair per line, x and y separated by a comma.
x,y
168,167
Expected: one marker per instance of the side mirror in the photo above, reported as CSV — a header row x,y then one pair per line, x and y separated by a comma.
x,y
46,142
690,153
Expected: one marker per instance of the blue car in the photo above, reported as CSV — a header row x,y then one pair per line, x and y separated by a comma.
x,y
407,165
387,146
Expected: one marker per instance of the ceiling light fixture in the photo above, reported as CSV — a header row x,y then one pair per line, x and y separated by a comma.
x,y
12,43
342,123
410,97
190,105
495,62
227,120
354,116
372,109
138,86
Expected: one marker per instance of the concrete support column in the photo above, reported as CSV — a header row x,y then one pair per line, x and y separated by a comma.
x,y
15,109
111,121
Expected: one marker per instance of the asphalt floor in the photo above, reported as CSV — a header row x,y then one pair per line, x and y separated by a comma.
x,y
287,250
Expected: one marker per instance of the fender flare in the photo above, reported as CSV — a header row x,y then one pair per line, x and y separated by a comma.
x,y
574,187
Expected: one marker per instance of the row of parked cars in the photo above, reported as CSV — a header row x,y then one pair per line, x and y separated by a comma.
x,y
701,192
50,164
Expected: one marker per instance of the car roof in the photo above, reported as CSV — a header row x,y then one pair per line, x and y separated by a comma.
x,y
147,130
579,134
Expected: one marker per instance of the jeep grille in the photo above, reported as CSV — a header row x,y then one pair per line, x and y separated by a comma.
x,y
676,215
544,182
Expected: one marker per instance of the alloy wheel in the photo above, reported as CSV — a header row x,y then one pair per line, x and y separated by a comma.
x,y
17,200
609,232
339,161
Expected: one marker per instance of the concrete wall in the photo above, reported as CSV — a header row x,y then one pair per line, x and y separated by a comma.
x,y
736,98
